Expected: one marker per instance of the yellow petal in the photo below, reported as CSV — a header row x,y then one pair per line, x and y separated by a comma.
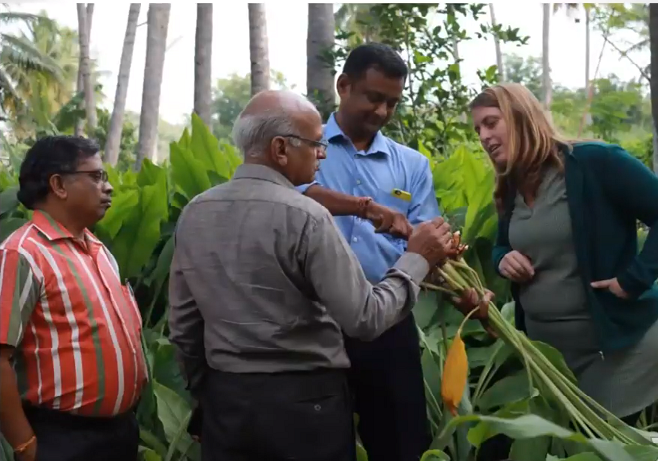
x,y
455,375
455,371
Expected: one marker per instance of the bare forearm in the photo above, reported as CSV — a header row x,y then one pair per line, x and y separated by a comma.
x,y
337,203
13,423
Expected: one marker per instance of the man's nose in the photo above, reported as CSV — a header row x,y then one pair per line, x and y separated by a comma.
x,y
382,110
321,154
107,188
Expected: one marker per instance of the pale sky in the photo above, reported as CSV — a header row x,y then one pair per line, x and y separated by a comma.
x,y
287,46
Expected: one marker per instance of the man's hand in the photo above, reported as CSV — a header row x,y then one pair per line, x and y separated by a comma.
x,y
470,301
388,220
516,267
612,285
432,240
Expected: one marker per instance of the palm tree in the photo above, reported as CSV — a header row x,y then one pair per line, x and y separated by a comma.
x,y
84,32
499,54
113,142
203,62
653,43
546,68
258,48
19,60
156,47
320,39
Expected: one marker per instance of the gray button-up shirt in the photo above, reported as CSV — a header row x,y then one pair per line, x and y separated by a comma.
x,y
262,280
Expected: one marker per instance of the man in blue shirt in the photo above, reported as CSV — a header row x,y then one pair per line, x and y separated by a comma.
x,y
377,190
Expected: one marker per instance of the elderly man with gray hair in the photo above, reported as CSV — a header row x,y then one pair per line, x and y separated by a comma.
x,y
262,282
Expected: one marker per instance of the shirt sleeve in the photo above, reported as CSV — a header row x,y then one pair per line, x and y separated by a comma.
x,y
424,206
634,189
186,328
361,309
303,187
20,290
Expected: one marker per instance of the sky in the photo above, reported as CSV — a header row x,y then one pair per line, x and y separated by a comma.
x,y
287,27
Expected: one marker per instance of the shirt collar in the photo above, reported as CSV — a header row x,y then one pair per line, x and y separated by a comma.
x,y
53,230
332,131
261,172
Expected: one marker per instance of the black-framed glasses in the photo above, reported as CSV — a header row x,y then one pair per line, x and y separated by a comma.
x,y
96,175
320,145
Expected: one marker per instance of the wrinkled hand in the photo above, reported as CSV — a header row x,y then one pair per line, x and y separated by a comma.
x,y
612,285
469,301
432,240
388,220
516,267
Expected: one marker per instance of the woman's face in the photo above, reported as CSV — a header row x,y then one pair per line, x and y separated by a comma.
x,y
492,129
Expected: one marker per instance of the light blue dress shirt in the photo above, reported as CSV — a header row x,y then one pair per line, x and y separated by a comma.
x,y
385,166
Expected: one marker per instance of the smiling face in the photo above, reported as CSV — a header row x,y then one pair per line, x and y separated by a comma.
x,y
491,127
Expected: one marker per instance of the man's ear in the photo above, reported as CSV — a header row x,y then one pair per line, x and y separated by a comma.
x,y
343,85
58,186
279,149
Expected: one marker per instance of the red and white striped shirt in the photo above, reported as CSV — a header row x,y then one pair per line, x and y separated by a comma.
x,y
75,327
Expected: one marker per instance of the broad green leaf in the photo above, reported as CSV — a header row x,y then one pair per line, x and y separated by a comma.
x,y
206,148
531,426
140,233
189,174
149,173
8,200
9,225
173,412
507,390
122,205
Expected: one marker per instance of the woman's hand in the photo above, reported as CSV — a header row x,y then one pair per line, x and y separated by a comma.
x,y
612,285
516,267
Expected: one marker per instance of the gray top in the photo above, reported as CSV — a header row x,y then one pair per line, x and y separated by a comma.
x,y
557,312
262,280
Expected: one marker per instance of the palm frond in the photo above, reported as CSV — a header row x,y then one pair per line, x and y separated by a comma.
x,y
21,52
7,17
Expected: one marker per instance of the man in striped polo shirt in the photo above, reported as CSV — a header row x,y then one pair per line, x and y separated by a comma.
x,y
71,363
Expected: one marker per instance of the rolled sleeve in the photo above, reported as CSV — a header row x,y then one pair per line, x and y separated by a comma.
x,y
302,189
19,293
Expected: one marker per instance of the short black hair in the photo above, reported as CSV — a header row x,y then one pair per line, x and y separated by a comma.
x,y
375,55
48,156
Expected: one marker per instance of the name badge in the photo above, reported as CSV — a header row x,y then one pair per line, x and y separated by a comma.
x,y
401,194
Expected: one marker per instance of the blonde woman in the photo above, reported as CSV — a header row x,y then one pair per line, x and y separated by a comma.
x,y
567,240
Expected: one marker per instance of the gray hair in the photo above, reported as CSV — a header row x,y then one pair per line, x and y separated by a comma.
x,y
252,133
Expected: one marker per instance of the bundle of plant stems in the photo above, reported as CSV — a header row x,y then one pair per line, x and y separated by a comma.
x,y
456,277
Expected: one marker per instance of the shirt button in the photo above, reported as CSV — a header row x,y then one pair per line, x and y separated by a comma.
x,y
358,181
355,239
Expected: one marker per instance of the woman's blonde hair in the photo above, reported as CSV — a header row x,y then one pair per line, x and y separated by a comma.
x,y
533,143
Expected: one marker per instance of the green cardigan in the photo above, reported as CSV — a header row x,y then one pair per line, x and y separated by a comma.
x,y
608,190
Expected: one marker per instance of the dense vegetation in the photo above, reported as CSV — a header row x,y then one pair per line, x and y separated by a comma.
x,y
433,119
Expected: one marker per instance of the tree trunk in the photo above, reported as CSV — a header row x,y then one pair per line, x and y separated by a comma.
x,y
85,81
156,46
258,48
653,40
203,63
113,143
546,68
499,53
587,47
320,86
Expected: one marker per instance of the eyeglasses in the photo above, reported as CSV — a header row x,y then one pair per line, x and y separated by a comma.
x,y
319,145
96,175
